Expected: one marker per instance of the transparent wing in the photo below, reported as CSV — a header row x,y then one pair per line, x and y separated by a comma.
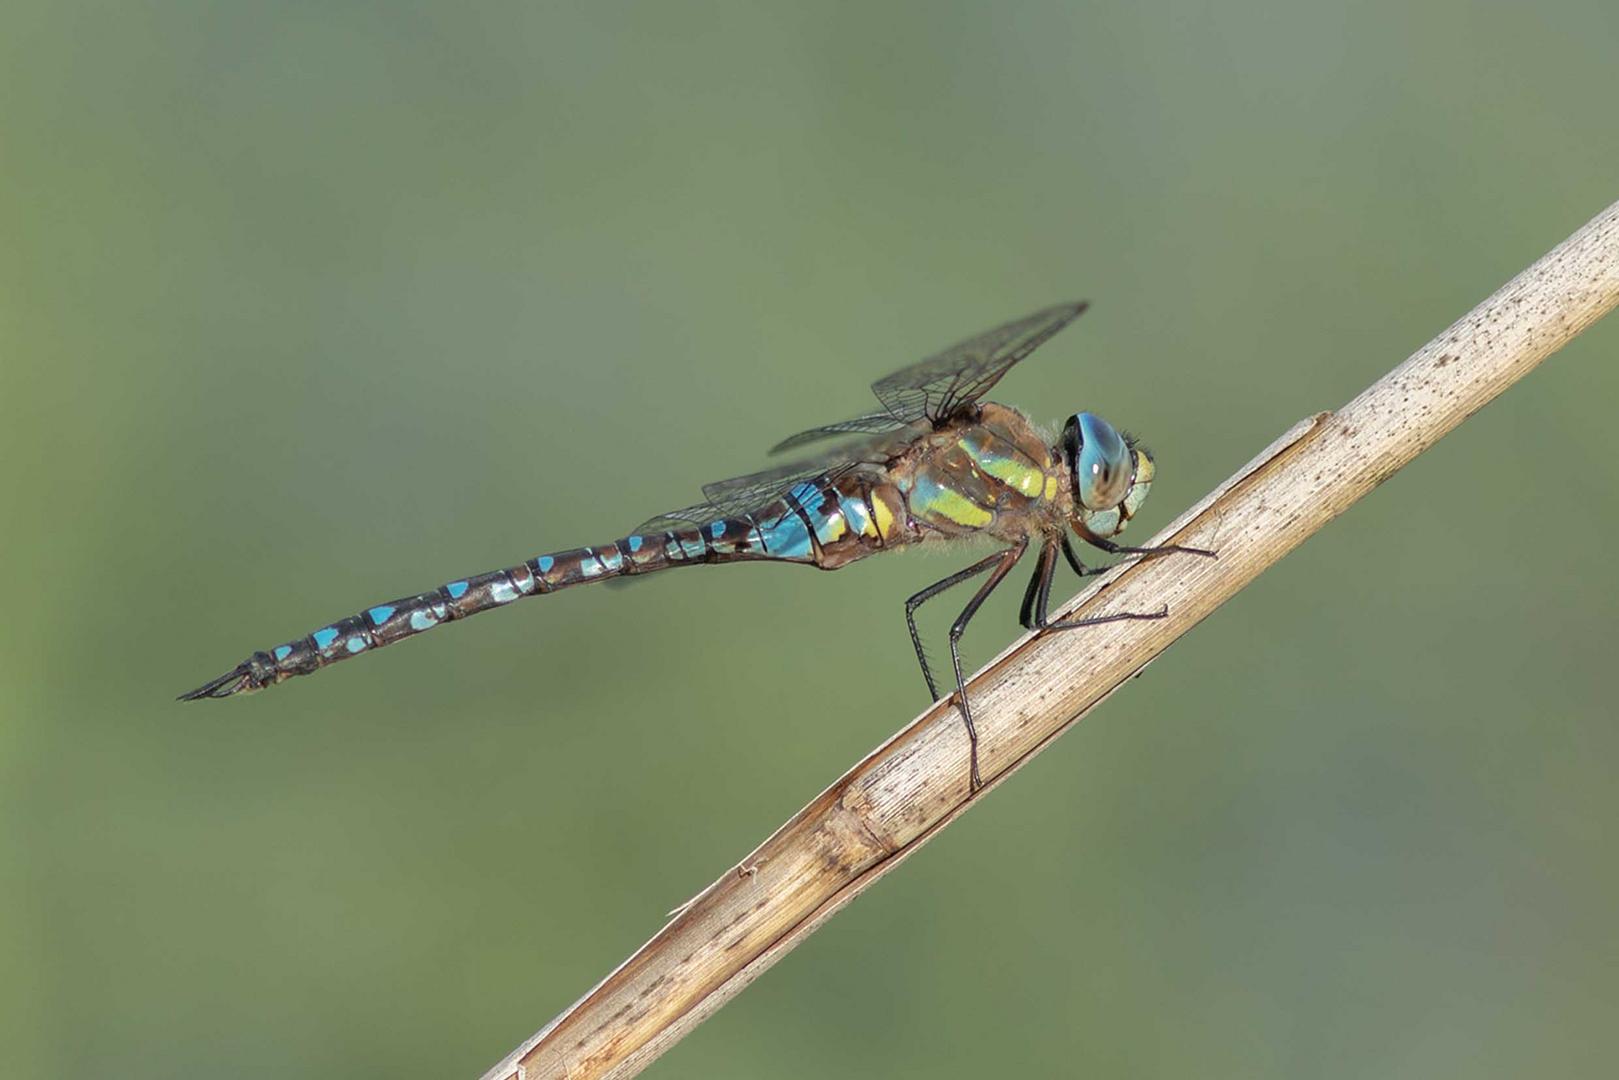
x,y
934,388
738,496
869,424
913,398
747,494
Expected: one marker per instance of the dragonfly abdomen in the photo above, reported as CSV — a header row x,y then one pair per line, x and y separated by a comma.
x,y
725,540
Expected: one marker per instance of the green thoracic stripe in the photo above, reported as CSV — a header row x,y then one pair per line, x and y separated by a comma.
x,y
1022,476
928,499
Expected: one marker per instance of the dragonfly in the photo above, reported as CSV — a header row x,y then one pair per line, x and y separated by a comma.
x,y
934,463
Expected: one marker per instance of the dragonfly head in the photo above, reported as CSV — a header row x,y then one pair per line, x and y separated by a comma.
x,y
1110,475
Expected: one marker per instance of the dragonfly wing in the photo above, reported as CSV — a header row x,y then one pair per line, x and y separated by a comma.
x,y
913,399
736,496
746,494
933,389
869,424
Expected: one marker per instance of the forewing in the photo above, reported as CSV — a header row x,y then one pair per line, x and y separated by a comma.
x,y
933,389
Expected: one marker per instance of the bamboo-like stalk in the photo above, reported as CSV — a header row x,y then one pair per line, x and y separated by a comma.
x,y
892,802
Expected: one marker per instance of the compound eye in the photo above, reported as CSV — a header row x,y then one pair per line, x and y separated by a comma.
x,y
1102,465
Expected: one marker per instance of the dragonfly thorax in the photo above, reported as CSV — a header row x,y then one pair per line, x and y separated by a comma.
x,y
1109,473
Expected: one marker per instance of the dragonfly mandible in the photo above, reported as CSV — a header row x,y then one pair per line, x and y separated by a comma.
x,y
934,463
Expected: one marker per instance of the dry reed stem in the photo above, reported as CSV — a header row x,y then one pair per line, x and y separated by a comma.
x,y
903,792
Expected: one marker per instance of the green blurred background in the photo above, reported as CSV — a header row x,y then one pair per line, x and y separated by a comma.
x,y
305,306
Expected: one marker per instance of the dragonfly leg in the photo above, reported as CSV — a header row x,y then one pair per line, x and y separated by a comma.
x,y
1076,564
1083,571
1039,581
1005,560
1040,591
1164,549
928,594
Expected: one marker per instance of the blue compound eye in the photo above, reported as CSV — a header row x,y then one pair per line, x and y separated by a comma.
x,y
1101,463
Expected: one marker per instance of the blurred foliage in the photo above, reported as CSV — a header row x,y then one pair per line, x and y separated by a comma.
x,y
303,306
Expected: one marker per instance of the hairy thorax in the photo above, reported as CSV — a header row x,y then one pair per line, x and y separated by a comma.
x,y
992,474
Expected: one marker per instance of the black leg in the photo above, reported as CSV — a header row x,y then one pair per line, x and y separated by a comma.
x,y
1031,595
1073,560
1007,560
1040,587
1107,545
1043,623
928,594
1167,549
